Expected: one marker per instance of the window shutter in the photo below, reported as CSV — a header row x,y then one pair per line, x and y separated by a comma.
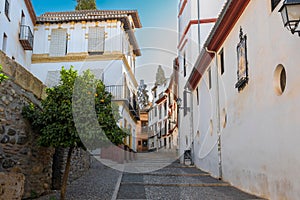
x,y
96,40
58,44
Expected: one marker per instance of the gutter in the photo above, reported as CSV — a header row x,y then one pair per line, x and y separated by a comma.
x,y
227,19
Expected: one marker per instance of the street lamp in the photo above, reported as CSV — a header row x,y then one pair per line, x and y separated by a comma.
x,y
290,12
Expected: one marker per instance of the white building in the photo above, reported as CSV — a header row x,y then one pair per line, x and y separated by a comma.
x,y
245,101
162,117
100,40
17,19
195,20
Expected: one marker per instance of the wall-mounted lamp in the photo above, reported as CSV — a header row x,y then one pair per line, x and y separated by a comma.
x,y
290,12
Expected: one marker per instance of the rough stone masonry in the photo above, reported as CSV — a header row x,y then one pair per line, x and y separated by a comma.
x,y
20,156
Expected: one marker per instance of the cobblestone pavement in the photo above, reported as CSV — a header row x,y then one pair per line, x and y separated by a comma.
x,y
174,181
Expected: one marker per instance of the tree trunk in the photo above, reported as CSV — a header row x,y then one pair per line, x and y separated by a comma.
x,y
66,175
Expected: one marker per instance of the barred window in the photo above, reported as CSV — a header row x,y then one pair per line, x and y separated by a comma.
x,y
96,40
58,44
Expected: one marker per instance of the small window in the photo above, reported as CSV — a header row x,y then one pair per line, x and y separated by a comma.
x,y
184,65
185,109
22,18
6,8
197,95
4,43
139,143
165,108
274,3
159,111
222,62
209,78
279,79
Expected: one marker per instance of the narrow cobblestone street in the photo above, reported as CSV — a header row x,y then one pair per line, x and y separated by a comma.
x,y
175,181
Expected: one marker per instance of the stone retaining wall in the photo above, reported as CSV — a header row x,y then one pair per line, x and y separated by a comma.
x,y
19,152
11,185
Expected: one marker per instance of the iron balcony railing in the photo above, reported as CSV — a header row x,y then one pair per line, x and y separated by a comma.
x,y
119,92
26,37
122,93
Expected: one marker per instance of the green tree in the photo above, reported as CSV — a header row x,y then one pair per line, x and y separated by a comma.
x,y
86,5
2,76
55,119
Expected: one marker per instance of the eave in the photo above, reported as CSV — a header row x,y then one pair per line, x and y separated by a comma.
x,y
230,14
30,10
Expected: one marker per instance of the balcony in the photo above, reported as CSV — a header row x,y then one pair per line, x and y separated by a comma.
x,y
26,37
122,93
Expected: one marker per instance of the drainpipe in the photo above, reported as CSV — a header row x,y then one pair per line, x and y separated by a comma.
x,y
191,125
218,113
199,39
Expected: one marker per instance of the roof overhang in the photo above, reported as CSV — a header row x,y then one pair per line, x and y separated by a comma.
x,y
230,14
30,10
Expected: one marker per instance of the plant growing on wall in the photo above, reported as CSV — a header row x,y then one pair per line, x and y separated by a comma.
x,y
2,76
55,121
86,5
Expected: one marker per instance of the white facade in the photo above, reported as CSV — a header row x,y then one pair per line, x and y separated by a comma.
x,y
257,126
14,14
102,41
189,45
162,118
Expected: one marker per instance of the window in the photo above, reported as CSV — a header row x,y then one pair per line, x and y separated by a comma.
x,y
165,108
166,125
274,3
155,112
221,54
4,43
184,65
209,78
197,95
96,40
22,18
6,8
159,112
58,44
184,103
139,143
279,79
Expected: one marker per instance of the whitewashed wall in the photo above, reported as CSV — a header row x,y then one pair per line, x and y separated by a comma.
x,y
208,9
11,28
260,139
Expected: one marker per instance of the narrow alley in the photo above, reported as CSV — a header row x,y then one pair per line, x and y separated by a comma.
x,y
175,181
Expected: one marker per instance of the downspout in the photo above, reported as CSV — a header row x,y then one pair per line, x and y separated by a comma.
x,y
199,38
218,113
191,108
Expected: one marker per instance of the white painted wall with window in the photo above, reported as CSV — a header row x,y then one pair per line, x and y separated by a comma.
x,y
17,14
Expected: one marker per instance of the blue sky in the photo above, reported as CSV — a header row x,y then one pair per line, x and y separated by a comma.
x,y
157,39
153,13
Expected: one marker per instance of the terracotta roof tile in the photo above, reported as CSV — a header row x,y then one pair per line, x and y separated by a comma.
x,y
88,15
